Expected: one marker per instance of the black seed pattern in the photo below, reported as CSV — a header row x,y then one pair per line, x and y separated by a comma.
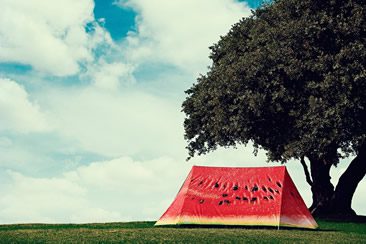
x,y
246,187
202,201
227,201
238,198
224,195
253,199
269,179
255,188
279,184
245,198
270,190
235,188
264,188
220,203
201,182
265,198
277,191
217,185
271,197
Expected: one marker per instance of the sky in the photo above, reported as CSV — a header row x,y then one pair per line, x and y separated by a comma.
x,y
91,126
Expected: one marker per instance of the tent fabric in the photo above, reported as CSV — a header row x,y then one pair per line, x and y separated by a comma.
x,y
263,196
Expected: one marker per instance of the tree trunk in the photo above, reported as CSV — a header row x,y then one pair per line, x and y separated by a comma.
x,y
322,188
347,184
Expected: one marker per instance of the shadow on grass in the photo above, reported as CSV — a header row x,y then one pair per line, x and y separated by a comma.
x,y
244,227
349,219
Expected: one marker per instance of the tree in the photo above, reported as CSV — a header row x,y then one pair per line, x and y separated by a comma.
x,y
291,79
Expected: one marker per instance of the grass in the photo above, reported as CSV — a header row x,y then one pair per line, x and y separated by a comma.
x,y
144,232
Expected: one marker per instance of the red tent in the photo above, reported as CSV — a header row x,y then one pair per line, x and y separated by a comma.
x,y
238,196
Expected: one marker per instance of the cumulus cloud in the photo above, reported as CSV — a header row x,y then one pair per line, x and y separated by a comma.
x,y
180,32
109,76
165,35
51,36
112,124
117,190
47,200
17,112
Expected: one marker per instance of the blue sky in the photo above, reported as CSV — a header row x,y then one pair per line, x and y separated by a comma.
x,y
114,16
90,101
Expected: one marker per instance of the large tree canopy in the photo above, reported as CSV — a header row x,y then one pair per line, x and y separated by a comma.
x,y
292,80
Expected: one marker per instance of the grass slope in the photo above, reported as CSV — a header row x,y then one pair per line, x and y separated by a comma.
x,y
329,232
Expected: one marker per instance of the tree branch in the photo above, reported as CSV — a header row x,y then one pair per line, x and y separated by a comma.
x,y
306,171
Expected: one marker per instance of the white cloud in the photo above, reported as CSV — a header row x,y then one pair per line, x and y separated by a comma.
x,y
116,123
47,200
116,190
180,32
109,76
48,35
166,35
17,112
5,142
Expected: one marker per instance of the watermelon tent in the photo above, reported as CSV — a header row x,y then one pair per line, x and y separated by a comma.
x,y
263,196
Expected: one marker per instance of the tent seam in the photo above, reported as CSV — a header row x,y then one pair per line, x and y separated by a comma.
x,y
283,190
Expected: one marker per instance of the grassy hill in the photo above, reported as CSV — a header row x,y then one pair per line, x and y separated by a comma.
x,y
329,232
